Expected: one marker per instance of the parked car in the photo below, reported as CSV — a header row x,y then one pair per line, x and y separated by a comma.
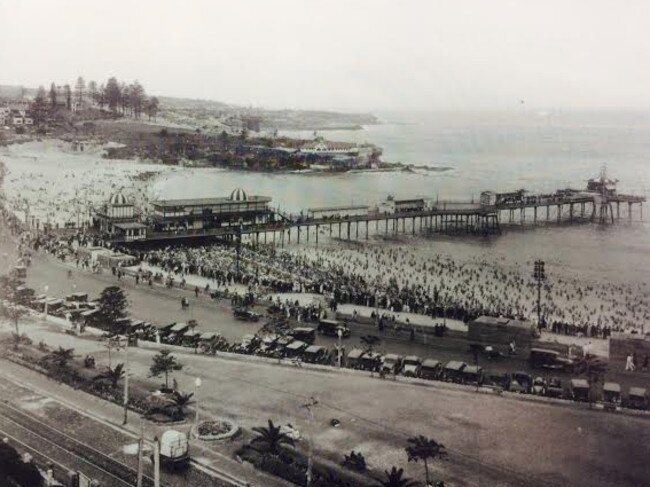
x,y
539,386
316,354
370,361
554,388
520,382
304,334
611,395
431,369
453,371
473,374
579,390
412,366
391,363
295,349
354,357
637,398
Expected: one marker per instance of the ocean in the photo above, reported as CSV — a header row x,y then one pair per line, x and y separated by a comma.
x,y
539,151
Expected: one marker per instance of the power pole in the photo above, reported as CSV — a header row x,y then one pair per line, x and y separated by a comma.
x,y
126,380
539,274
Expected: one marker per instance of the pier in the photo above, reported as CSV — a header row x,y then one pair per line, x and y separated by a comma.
x,y
250,216
449,218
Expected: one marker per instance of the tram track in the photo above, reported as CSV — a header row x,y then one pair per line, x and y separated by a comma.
x,y
65,452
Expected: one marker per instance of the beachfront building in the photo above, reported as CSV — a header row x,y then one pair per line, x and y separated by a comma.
x,y
196,214
118,219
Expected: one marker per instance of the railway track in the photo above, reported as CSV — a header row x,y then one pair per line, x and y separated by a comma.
x,y
48,444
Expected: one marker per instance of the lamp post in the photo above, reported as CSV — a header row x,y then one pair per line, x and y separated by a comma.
x,y
339,333
126,380
539,275
197,386
309,406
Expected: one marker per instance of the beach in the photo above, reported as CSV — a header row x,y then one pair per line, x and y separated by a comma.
x,y
55,184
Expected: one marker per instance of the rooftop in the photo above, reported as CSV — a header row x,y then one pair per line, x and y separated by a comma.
x,y
209,201
339,208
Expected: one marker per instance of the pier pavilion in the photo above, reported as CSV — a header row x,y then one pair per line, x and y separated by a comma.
x,y
238,209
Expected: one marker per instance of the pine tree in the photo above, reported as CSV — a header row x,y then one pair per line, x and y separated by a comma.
x,y
53,95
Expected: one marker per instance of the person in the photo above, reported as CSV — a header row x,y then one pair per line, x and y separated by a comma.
x,y
196,291
513,347
646,362
629,363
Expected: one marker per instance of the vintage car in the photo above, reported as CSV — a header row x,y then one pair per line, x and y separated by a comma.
x,y
332,327
411,366
453,371
579,390
431,369
391,363
611,396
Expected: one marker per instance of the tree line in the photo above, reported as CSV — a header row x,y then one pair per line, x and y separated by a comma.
x,y
114,95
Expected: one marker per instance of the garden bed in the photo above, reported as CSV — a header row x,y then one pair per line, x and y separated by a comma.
x,y
216,430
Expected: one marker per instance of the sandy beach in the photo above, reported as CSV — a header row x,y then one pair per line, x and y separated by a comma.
x,y
56,184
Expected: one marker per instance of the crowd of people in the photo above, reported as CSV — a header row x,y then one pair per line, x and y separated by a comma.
x,y
398,279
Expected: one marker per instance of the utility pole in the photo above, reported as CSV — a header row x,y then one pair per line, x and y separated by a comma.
x,y
197,386
156,462
539,274
310,409
140,447
126,380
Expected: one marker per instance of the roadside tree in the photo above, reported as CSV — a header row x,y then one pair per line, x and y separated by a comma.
x,y
164,363
425,449
112,306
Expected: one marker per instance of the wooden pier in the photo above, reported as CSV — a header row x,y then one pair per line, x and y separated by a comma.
x,y
443,218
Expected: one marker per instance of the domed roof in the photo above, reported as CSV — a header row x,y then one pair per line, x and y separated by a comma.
x,y
238,195
118,199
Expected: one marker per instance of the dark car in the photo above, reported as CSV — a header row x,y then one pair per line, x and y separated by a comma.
x,y
331,328
305,334
246,315
520,382
554,388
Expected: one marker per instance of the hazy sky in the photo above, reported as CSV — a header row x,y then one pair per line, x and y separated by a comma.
x,y
342,54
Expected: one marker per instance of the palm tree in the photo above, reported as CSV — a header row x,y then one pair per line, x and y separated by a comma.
x,y
181,401
61,357
425,449
394,478
113,375
270,438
